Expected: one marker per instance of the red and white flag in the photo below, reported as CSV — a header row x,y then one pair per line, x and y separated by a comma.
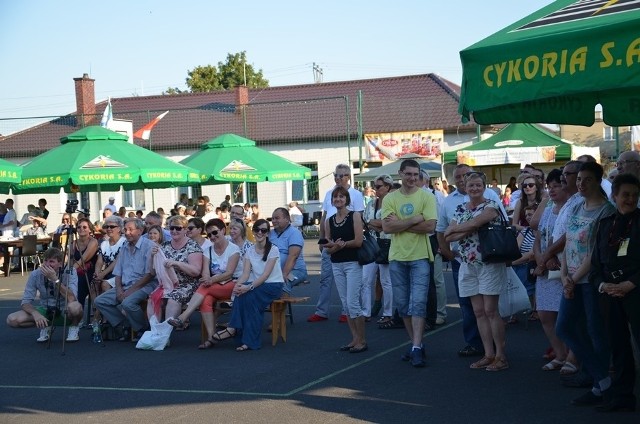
x,y
145,132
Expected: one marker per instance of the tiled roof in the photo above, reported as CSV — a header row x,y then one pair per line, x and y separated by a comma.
x,y
275,114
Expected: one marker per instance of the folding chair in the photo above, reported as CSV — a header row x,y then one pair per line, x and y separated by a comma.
x,y
29,251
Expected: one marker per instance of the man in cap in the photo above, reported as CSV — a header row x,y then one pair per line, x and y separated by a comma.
x,y
111,205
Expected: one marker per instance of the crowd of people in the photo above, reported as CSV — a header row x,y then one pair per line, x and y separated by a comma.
x,y
577,236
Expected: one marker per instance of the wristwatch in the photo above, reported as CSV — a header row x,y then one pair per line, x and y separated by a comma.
x,y
251,286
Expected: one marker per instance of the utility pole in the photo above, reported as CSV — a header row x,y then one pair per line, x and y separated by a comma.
x,y
317,73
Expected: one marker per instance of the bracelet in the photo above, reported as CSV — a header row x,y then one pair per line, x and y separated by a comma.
x,y
251,286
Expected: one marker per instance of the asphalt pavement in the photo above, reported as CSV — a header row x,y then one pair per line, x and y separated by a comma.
x,y
305,380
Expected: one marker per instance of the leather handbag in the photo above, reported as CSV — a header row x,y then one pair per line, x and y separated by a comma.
x,y
383,253
369,249
498,242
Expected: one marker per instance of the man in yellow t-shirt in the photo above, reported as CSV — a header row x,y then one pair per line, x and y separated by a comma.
x,y
409,214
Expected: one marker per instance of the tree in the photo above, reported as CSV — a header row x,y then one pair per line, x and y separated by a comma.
x,y
232,73
225,76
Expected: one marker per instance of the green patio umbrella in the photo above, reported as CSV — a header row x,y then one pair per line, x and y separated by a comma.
x,y
97,159
433,168
556,65
10,174
229,157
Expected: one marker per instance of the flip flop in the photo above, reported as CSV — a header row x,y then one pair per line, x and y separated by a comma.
x,y
208,344
242,348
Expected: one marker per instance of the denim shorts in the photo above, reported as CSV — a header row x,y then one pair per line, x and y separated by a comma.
x,y
410,281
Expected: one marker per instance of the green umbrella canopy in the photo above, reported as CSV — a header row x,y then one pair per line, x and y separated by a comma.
x,y
96,159
433,168
230,157
556,65
10,173
516,144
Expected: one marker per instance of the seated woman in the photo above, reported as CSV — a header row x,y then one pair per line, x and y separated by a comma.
x,y
219,268
260,284
108,252
185,257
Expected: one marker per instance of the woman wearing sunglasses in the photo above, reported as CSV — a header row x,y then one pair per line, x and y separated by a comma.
x,y
219,268
260,284
531,195
195,231
108,252
185,257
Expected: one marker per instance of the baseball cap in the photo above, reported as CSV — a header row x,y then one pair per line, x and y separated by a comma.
x,y
112,198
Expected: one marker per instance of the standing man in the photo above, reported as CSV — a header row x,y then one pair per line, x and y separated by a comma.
x,y
134,280
342,177
10,220
111,205
409,214
45,282
450,253
226,203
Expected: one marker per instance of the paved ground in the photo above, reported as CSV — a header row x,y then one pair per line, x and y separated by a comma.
x,y
304,380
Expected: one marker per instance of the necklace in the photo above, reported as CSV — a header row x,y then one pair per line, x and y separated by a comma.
x,y
338,224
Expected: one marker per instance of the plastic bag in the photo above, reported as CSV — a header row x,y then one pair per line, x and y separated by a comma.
x,y
156,338
513,297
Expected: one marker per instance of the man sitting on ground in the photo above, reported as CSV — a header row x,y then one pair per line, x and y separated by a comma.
x,y
45,281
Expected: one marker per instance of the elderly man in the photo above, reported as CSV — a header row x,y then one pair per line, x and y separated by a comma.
x,y
629,163
111,205
450,253
342,177
45,282
134,281
290,244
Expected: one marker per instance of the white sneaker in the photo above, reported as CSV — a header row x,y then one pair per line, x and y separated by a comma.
x,y
73,335
44,335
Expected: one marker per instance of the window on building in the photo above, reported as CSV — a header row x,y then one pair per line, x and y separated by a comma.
x,y
134,199
244,192
298,188
608,134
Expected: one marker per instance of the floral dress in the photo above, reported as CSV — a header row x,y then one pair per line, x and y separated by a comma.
x,y
469,246
187,285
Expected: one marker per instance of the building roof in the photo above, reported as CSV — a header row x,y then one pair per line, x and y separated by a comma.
x,y
275,114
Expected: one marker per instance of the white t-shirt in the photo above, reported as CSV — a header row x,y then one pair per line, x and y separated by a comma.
x,y
258,265
218,263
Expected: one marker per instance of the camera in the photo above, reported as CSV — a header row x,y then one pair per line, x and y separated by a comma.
x,y
72,206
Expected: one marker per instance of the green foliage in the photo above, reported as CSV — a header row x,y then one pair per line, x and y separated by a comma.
x,y
225,76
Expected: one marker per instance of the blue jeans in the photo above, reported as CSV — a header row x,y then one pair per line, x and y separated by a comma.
x,y
349,282
469,324
410,280
300,276
581,327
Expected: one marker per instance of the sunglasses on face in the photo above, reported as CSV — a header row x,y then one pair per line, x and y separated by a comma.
x,y
529,185
340,175
213,233
261,230
175,228
191,228
110,227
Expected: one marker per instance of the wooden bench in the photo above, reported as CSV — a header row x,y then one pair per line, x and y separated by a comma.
x,y
278,309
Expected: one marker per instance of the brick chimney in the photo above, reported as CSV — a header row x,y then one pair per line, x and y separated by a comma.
x,y
85,100
242,97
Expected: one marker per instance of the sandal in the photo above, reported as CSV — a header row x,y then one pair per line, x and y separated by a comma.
x,y
554,365
242,348
391,324
568,368
223,335
383,320
185,326
499,364
208,344
177,323
482,363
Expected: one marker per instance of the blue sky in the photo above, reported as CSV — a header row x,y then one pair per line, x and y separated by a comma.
x,y
142,47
